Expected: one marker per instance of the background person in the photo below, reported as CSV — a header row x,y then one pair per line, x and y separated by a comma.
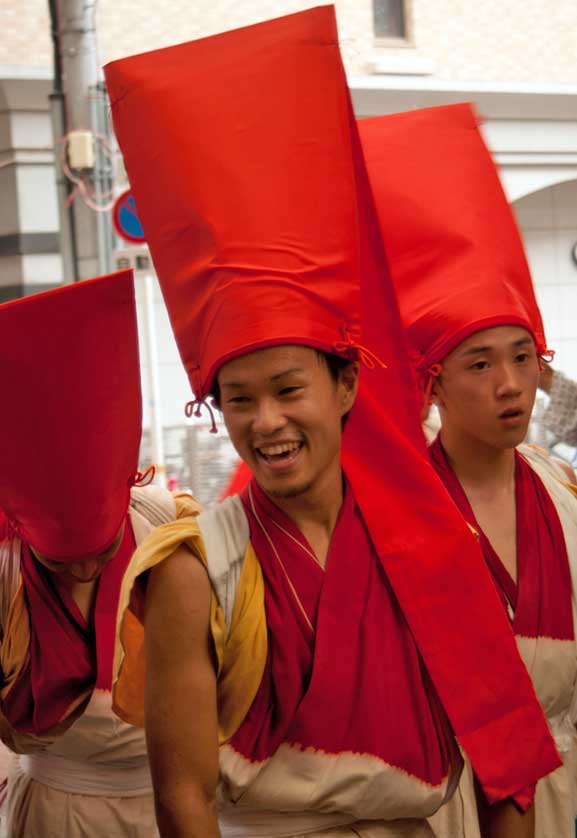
x,y
560,416
476,335
70,431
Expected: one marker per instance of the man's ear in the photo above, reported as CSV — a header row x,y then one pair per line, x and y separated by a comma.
x,y
437,392
348,385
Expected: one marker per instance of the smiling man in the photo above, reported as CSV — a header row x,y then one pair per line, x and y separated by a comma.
x,y
475,330
315,388
302,668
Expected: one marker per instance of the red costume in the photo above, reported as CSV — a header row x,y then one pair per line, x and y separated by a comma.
x,y
69,454
69,443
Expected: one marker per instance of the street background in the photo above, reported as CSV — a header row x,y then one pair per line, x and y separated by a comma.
x,y
514,58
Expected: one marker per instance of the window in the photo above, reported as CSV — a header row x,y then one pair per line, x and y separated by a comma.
x,y
389,19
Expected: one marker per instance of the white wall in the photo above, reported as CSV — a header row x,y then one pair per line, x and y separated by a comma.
x,y
548,221
515,40
173,382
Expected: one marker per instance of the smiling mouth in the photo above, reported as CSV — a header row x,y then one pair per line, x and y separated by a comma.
x,y
283,452
512,413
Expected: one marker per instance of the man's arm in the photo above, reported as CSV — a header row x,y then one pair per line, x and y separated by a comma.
x,y
546,378
180,698
560,417
504,819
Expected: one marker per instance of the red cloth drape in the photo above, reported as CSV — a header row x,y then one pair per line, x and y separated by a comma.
x,y
236,482
541,599
343,671
67,657
71,414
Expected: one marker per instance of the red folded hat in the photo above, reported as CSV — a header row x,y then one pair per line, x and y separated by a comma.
x,y
250,214
71,415
245,161
454,250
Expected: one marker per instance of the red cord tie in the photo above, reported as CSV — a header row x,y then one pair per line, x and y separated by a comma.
x,y
426,374
199,404
367,358
432,372
144,478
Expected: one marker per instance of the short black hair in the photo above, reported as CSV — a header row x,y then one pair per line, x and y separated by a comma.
x,y
334,363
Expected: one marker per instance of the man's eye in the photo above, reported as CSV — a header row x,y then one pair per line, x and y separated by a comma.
x,y
480,365
238,400
522,357
288,391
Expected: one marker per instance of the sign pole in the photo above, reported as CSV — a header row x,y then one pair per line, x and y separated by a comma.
x,y
155,409
128,227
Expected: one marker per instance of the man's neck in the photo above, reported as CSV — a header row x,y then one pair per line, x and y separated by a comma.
x,y
315,511
477,464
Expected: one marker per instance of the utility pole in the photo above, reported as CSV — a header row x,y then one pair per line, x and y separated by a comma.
x,y
83,166
85,177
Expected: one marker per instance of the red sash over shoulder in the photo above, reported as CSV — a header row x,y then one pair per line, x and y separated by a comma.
x,y
67,658
541,601
343,672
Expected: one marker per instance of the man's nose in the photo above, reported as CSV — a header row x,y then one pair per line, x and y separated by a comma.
x,y
268,417
509,383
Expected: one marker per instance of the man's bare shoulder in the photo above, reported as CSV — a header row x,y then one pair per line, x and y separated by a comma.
x,y
179,589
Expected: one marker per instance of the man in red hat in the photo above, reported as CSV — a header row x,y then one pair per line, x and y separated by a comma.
x,y
303,666
72,516
475,330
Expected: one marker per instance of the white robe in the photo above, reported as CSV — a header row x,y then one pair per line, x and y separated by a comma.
x,y
552,665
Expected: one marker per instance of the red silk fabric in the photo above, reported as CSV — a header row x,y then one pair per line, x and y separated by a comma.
x,y
240,476
454,250
541,600
67,657
239,233
71,416
265,233
343,672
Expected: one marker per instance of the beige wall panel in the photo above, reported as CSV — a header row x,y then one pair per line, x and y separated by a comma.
x,y
516,40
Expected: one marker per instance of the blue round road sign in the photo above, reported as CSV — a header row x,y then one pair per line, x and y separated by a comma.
x,y
125,219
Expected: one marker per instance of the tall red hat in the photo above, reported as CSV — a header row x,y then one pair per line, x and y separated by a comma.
x,y
70,423
245,161
454,250
250,214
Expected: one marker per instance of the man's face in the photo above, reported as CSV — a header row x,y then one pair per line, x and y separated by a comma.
x,y
487,387
283,411
81,570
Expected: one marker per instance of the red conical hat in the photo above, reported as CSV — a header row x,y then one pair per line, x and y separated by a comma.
x,y
71,415
250,214
245,161
454,250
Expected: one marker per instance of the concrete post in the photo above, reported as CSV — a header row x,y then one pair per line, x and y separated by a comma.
x,y
76,98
